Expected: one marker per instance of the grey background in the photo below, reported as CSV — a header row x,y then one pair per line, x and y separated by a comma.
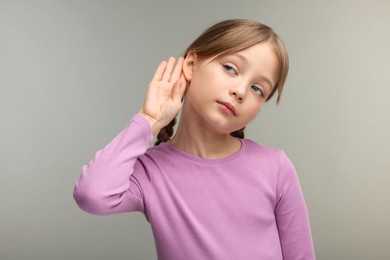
x,y
72,73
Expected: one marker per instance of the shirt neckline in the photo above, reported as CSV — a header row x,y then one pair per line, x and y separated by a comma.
x,y
197,159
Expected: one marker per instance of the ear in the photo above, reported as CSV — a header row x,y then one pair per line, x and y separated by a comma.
x,y
189,65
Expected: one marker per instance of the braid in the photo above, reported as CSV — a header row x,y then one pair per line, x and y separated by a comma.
x,y
166,132
239,133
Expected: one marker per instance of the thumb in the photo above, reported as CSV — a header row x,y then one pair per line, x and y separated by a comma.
x,y
176,92
183,85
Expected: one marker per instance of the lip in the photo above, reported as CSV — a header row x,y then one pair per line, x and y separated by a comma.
x,y
228,106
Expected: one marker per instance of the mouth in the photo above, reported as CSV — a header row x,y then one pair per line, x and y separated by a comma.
x,y
229,107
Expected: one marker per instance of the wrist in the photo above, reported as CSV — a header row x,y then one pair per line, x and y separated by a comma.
x,y
152,122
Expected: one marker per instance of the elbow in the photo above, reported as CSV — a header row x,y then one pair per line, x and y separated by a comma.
x,y
89,202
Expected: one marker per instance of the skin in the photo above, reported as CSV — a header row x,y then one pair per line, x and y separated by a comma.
x,y
224,95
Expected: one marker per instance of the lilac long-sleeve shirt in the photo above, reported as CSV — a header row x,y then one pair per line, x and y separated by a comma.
x,y
242,207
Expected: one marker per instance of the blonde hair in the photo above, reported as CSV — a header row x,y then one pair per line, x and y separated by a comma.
x,y
228,37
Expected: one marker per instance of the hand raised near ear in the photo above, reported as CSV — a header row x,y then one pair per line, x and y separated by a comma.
x,y
164,94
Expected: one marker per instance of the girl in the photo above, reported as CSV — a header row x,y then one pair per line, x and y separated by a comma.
x,y
207,192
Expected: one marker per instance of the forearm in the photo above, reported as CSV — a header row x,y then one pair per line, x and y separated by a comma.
x,y
104,181
295,235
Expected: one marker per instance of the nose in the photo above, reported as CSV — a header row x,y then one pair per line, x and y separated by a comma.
x,y
239,92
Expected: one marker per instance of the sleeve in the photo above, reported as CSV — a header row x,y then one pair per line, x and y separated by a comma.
x,y
292,215
109,183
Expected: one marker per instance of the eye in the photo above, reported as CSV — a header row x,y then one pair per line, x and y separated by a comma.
x,y
257,90
229,69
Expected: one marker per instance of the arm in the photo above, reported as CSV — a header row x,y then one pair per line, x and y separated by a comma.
x,y
113,182
105,185
292,215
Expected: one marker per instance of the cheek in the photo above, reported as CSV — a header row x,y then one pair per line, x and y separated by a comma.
x,y
254,109
208,77
203,85
197,94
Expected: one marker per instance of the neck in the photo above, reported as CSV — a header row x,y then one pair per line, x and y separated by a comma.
x,y
196,138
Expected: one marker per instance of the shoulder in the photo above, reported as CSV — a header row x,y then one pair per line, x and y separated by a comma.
x,y
271,155
253,147
157,154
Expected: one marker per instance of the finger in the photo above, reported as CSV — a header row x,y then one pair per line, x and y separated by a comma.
x,y
183,85
178,70
168,69
176,92
160,71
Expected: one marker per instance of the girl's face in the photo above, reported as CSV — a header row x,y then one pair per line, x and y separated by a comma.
x,y
226,93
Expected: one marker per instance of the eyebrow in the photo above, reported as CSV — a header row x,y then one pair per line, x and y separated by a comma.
x,y
241,57
245,60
